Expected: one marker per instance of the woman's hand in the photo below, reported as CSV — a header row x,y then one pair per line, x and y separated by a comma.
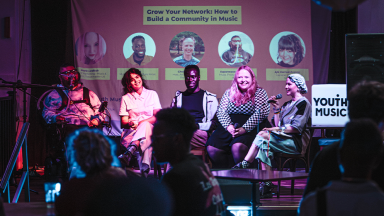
x,y
274,102
231,130
239,131
271,129
133,125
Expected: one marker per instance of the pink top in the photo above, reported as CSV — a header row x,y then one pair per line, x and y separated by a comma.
x,y
139,107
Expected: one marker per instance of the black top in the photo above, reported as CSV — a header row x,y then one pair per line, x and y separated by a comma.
x,y
195,190
193,103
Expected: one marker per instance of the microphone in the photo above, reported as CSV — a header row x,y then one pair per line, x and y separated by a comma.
x,y
279,96
236,125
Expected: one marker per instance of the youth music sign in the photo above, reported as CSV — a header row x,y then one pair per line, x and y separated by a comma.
x,y
329,105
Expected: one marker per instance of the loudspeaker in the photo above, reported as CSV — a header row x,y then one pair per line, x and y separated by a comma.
x,y
364,58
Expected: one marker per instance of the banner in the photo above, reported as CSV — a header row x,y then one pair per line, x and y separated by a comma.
x,y
108,36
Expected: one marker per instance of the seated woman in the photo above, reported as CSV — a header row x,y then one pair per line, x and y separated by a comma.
x,y
94,157
138,108
244,104
291,123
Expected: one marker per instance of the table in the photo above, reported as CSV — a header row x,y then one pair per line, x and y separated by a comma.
x,y
255,176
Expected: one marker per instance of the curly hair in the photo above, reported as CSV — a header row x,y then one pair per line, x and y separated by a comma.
x,y
91,150
235,94
293,43
126,80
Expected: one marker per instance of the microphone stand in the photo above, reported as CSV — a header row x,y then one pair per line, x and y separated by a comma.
x,y
23,87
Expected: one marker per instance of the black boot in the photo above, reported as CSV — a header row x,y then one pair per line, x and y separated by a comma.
x,y
126,157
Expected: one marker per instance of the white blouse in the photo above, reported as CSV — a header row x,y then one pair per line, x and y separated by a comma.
x,y
139,107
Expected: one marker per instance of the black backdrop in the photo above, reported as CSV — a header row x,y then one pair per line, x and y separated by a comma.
x,y
51,32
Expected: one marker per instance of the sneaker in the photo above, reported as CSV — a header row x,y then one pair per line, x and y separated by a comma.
x,y
241,165
266,189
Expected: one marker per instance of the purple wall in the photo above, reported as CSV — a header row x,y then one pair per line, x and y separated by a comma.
x,y
371,17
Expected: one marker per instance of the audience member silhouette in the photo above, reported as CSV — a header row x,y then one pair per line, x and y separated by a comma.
x,y
359,151
366,100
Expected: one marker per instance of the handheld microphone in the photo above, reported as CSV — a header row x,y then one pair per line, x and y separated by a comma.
x,y
236,125
279,96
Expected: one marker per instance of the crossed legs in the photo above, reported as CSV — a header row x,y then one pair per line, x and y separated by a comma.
x,y
253,151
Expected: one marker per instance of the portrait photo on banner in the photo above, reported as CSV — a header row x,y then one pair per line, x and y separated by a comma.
x,y
139,49
90,48
236,49
186,48
287,49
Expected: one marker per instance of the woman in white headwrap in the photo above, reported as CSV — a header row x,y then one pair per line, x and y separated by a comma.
x,y
290,121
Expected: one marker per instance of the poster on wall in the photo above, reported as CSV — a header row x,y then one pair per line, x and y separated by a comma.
x,y
161,38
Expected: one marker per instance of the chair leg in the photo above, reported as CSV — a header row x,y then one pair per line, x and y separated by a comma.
x,y
293,181
155,170
278,188
159,171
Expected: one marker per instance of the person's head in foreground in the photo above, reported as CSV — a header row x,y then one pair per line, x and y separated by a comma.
x,y
188,46
172,134
361,148
68,75
235,43
133,81
244,86
366,100
295,85
90,48
192,78
93,152
290,51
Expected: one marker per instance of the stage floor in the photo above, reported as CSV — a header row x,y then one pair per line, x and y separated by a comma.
x,y
287,204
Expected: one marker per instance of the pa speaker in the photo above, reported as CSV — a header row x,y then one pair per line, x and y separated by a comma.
x,y
364,58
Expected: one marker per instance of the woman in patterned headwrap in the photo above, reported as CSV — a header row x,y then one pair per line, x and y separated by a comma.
x,y
290,121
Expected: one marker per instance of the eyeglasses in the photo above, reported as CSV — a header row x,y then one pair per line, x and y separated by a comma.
x,y
69,72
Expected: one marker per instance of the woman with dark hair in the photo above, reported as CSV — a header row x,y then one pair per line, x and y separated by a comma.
x,y
93,158
137,113
242,108
291,51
